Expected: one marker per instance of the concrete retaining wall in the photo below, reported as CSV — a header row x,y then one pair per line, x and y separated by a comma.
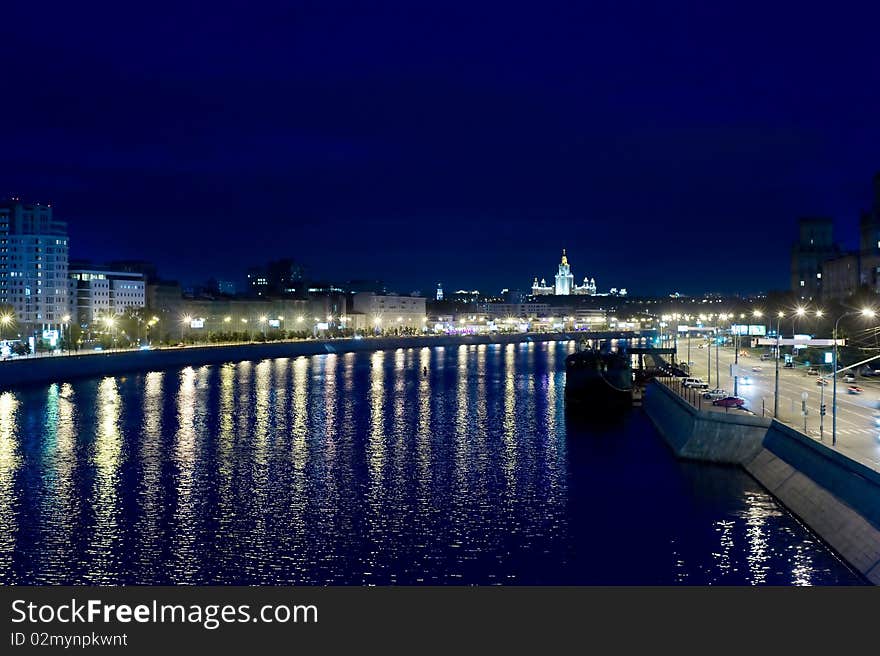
x,y
42,370
838,498
705,435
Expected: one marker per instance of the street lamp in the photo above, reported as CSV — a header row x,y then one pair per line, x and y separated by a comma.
x,y
152,322
110,322
64,321
186,321
776,386
5,320
868,313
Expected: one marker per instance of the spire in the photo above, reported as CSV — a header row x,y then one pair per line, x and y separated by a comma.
x,y
564,258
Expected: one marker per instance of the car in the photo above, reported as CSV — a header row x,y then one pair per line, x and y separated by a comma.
x,y
812,371
867,371
849,378
745,380
729,402
821,381
765,357
696,383
854,389
717,393
788,365
756,369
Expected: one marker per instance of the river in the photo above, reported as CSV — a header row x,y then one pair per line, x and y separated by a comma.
x,y
444,465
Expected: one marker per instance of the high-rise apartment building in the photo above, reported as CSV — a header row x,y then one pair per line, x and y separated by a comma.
x,y
33,265
814,247
869,242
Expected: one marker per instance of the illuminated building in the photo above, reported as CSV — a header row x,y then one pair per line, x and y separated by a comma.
x,y
33,264
565,285
95,292
391,312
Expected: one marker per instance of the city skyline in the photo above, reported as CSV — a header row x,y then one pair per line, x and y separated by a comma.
x,y
468,146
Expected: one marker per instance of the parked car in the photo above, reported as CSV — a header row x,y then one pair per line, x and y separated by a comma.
x,y
788,365
729,402
812,371
716,393
765,357
756,369
854,389
849,378
696,383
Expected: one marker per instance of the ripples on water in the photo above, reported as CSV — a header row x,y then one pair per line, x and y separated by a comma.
x,y
359,469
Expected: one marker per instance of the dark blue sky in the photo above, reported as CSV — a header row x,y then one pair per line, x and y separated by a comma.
x,y
668,146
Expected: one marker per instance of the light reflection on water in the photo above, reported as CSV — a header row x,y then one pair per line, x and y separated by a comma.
x,y
432,465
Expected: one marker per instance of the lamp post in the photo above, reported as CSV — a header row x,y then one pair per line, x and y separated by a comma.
x,y
867,313
709,351
149,336
5,320
721,317
186,321
111,324
776,385
688,319
64,321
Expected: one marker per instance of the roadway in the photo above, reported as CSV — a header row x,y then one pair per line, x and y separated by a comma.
x,y
858,431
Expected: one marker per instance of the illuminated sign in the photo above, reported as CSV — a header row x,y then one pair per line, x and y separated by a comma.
x,y
751,329
274,323
323,325
197,323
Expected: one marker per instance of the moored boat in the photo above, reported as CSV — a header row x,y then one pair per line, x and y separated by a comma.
x,y
599,379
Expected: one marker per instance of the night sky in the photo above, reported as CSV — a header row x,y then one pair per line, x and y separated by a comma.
x,y
668,146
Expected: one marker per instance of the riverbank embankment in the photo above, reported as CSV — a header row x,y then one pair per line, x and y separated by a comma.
x,y
837,497
34,371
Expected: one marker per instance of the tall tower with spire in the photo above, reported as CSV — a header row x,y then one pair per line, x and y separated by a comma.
x,y
564,278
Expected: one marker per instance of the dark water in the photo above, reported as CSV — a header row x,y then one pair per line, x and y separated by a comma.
x,y
357,469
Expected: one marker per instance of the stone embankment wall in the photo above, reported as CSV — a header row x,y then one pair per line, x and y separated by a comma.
x,y
838,498
49,369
